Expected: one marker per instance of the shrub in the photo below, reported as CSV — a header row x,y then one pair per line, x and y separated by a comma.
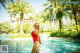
x,y
65,33
53,34
5,27
78,35
27,27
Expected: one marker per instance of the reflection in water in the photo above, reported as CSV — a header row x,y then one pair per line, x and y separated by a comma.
x,y
49,45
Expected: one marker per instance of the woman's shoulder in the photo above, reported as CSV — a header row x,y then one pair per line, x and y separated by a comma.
x,y
31,31
36,31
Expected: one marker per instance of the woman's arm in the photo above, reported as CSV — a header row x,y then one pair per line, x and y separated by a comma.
x,y
39,40
37,32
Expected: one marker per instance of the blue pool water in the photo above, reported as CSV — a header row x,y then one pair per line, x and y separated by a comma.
x,y
49,45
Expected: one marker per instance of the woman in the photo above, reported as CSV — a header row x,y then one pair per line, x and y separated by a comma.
x,y
36,38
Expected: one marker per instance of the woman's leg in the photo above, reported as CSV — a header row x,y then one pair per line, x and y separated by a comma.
x,y
34,48
37,47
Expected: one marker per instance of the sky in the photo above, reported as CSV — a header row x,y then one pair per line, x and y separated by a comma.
x,y
36,4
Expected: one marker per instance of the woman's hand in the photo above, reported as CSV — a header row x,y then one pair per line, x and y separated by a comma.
x,y
40,42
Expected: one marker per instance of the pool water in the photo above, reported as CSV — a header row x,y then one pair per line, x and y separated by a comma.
x,y
48,45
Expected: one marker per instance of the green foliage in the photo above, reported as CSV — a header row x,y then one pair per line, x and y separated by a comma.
x,y
17,28
65,33
8,29
27,28
78,35
4,2
78,27
59,15
53,34
21,35
21,8
47,13
5,27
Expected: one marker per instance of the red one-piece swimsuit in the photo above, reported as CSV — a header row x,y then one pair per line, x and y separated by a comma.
x,y
34,36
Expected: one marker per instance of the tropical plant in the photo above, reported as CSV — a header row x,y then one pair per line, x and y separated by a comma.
x,y
27,27
4,2
21,8
5,27
75,9
54,10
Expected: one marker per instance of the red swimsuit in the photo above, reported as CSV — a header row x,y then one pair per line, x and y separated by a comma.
x,y
35,38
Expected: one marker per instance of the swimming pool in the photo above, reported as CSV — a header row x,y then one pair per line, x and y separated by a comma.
x,y
49,45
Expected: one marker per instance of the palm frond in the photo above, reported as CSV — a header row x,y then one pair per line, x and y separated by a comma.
x,y
4,2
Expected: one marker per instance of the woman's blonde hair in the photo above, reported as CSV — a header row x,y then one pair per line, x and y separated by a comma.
x,y
36,25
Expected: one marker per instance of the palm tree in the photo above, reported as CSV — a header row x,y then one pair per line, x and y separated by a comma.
x,y
75,10
4,2
21,8
47,13
50,12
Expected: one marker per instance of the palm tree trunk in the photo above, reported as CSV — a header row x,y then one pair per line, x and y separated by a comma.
x,y
21,22
56,3
21,26
60,25
74,13
75,20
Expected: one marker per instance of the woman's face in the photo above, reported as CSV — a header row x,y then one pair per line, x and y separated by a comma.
x,y
36,25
